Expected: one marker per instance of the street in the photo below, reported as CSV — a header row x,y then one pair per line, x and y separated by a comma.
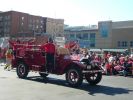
x,y
56,88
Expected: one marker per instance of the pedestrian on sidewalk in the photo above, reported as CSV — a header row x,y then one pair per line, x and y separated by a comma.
x,y
9,56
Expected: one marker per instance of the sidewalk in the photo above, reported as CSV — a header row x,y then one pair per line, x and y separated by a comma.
x,y
6,73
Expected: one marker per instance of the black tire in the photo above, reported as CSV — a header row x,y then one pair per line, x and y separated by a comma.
x,y
22,70
93,78
74,76
44,75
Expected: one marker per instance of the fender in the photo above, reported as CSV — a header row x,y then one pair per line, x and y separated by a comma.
x,y
70,63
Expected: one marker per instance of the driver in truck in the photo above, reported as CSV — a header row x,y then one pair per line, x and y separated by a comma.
x,y
49,49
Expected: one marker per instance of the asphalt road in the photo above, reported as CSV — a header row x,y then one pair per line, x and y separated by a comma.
x,y
56,88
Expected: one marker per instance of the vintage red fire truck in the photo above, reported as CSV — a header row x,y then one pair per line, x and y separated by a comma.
x,y
31,58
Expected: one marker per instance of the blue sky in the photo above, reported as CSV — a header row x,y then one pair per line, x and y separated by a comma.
x,y
74,12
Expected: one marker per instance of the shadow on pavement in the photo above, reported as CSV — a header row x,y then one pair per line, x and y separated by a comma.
x,y
92,90
108,90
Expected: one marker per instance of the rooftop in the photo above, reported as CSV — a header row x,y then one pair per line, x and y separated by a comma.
x,y
80,28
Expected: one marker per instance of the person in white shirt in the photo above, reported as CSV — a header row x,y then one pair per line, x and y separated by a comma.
x,y
111,59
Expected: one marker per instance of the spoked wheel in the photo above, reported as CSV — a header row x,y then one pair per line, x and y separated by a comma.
x,y
74,77
22,70
93,78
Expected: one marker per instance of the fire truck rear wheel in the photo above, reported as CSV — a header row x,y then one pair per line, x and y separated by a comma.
x,y
22,70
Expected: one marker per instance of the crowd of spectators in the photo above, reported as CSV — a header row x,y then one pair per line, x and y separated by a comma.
x,y
112,63
119,63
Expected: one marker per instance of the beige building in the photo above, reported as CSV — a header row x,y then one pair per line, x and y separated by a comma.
x,y
108,35
54,26
115,34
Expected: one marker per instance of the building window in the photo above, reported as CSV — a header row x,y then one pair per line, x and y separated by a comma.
x,y
72,36
31,21
124,43
78,36
22,18
1,18
37,26
92,44
22,24
131,43
119,44
5,17
41,26
41,21
5,23
1,24
83,43
37,21
85,36
104,29
9,23
7,29
8,17
92,35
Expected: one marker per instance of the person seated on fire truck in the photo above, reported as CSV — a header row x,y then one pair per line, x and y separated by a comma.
x,y
49,49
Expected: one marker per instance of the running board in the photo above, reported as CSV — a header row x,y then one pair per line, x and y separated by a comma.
x,y
91,71
44,72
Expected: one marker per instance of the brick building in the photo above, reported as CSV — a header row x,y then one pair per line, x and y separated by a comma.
x,y
14,23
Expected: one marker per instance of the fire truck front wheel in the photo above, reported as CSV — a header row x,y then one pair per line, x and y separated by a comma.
x,y
74,76
93,78
22,70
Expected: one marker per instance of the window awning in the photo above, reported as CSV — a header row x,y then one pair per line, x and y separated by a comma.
x,y
115,50
108,50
